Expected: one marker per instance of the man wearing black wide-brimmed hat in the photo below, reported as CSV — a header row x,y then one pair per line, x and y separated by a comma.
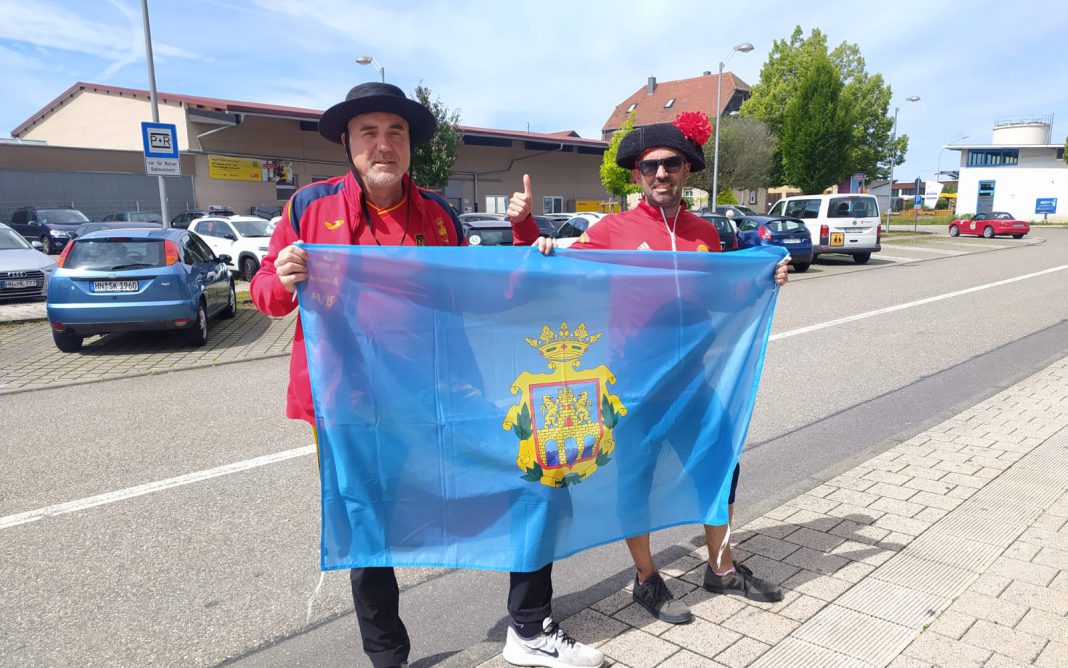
x,y
376,203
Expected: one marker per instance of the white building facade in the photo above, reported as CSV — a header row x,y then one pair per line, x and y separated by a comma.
x,y
1020,167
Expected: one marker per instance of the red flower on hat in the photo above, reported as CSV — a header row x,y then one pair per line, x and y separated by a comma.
x,y
694,126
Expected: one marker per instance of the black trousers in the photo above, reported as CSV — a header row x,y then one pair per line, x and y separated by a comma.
x,y
376,597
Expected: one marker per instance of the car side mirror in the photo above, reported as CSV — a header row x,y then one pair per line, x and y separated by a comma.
x,y
231,236
33,222
226,258
37,245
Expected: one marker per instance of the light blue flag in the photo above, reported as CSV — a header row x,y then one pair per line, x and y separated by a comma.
x,y
496,408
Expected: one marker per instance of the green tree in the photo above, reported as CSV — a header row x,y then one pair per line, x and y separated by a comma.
x,y
432,162
816,130
747,153
1066,149
614,178
866,97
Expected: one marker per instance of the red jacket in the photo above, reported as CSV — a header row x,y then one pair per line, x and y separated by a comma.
x,y
329,212
643,228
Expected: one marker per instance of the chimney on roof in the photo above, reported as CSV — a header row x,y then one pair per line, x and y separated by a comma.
x,y
652,86
706,73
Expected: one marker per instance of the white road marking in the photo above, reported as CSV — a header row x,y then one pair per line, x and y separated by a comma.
x,y
883,256
160,485
149,488
918,302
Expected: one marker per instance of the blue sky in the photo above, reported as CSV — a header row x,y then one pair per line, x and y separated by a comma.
x,y
555,64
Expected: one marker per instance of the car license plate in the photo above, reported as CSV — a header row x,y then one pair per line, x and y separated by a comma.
x,y
838,239
792,240
114,286
18,283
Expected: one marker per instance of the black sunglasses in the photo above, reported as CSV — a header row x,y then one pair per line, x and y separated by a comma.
x,y
650,167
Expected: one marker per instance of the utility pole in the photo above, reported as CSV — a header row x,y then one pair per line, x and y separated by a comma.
x,y
155,108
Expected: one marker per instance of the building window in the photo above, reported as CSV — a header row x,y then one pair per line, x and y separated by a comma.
x,y
1060,153
669,103
552,204
632,107
496,204
1002,157
752,197
687,192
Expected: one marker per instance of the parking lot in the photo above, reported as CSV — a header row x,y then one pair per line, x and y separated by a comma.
x,y
29,359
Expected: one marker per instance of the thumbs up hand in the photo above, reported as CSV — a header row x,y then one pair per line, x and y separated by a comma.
x,y
519,207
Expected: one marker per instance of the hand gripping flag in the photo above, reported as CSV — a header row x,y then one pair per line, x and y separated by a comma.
x,y
496,408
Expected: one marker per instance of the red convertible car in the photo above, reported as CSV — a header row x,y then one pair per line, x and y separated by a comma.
x,y
990,225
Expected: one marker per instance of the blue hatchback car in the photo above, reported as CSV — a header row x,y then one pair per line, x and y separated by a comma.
x,y
137,279
790,233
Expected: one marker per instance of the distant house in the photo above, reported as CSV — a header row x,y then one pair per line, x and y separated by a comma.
x,y
661,102
1020,166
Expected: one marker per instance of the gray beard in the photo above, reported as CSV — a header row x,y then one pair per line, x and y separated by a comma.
x,y
381,179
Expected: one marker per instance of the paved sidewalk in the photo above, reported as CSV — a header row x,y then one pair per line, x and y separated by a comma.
x,y
950,549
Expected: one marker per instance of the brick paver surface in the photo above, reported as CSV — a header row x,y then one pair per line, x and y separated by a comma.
x,y
30,360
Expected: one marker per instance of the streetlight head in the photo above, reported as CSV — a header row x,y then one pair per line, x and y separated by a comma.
x,y
364,60
913,98
744,47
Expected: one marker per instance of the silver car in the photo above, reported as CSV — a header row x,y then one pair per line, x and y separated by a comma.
x,y
24,270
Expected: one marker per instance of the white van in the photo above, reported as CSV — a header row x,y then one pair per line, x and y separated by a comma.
x,y
847,223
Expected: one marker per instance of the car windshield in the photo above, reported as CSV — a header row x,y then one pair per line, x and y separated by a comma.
x,y
723,225
1002,215
785,226
11,240
115,254
252,228
144,217
573,228
61,216
852,207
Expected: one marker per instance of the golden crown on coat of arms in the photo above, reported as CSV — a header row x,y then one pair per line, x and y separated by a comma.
x,y
563,345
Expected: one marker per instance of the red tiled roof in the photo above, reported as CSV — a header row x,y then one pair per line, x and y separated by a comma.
x,y
235,106
696,94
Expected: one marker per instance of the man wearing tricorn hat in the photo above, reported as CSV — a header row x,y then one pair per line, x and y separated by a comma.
x,y
376,203
661,156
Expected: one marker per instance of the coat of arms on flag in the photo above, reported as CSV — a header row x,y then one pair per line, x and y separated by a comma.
x,y
564,419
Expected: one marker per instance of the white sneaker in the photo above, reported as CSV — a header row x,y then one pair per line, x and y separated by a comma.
x,y
552,649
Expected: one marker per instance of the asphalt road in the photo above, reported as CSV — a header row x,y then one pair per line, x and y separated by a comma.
x,y
220,570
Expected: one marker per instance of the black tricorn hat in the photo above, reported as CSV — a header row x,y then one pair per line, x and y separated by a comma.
x,y
374,96
659,135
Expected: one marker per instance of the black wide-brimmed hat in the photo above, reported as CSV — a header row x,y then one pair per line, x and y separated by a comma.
x,y
659,135
371,97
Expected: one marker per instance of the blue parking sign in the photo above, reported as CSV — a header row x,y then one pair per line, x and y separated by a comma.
x,y
1046,205
160,140
917,201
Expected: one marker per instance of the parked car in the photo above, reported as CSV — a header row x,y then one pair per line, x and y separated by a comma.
x,y
97,226
182,220
990,225
479,215
790,233
137,279
244,238
739,210
133,217
847,223
569,232
24,270
51,227
728,239
487,232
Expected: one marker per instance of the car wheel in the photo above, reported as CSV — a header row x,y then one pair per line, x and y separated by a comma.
x,y
198,333
802,267
231,303
46,244
988,232
861,258
954,231
1017,236
249,267
68,342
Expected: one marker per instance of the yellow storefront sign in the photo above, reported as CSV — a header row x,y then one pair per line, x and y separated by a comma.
x,y
234,169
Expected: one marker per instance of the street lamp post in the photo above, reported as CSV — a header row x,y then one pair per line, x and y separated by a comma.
x,y
893,161
155,107
940,156
744,47
369,60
